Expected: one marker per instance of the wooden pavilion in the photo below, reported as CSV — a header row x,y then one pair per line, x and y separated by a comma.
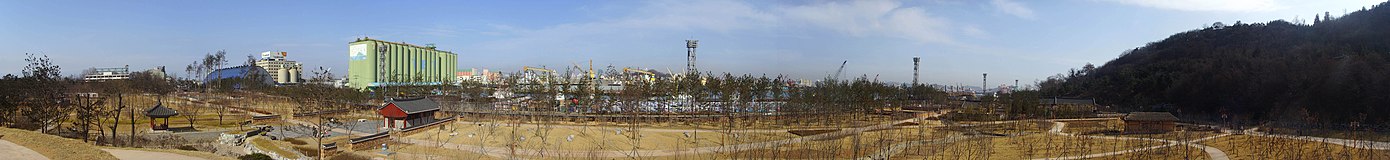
x,y
159,111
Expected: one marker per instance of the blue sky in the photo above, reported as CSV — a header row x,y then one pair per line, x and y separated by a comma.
x,y
958,40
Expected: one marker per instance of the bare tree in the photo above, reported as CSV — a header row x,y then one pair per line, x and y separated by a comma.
x,y
316,102
191,112
87,112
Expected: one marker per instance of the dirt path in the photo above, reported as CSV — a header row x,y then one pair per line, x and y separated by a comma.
x,y
1212,152
504,152
16,151
143,155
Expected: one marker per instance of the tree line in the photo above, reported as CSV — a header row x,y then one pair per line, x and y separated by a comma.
x,y
1332,71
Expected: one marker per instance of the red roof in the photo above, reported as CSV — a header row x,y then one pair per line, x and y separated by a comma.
x,y
391,111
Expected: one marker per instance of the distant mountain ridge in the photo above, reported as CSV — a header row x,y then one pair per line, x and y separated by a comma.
x,y
1334,70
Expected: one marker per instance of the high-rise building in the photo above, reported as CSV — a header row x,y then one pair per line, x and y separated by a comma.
x,y
376,63
281,70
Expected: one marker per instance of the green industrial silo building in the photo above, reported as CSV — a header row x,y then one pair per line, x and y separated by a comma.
x,y
375,63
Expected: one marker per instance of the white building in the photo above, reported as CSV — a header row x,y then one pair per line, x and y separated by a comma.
x,y
281,70
482,76
101,74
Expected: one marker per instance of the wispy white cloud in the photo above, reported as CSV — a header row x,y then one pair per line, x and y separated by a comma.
x,y
871,18
740,35
854,18
974,31
1013,8
1208,5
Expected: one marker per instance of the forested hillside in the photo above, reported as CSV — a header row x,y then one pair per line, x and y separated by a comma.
x,y
1333,70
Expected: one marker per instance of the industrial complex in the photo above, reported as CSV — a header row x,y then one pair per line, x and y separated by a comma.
x,y
373,63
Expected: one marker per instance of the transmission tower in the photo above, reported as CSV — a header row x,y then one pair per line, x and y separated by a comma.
x,y
690,53
984,85
915,61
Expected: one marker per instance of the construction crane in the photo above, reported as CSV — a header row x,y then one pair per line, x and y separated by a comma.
x,y
841,70
626,69
651,76
529,68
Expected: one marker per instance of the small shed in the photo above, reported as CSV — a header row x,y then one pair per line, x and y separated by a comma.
x,y
159,111
1149,122
401,113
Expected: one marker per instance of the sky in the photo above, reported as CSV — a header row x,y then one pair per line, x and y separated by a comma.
x,y
1025,40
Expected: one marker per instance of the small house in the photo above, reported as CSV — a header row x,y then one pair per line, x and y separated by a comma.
x,y
401,113
1149,122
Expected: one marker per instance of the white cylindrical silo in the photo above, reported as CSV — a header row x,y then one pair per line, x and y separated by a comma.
x,y
282,76
294,75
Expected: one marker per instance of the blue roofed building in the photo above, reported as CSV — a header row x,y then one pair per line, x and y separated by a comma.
x,y
240,72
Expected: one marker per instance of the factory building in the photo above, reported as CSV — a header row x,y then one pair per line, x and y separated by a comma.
x,y
376,63
281,70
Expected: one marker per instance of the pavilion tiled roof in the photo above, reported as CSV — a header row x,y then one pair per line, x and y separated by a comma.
x,y
1150,116
159,111
414,105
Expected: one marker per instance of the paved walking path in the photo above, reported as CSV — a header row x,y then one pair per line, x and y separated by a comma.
x,y
144,155
1359,144
1212,152
502,152
10,150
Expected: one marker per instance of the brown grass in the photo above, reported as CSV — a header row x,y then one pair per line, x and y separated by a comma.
x,y
1257,147
198,154
268,145
588,138
54,147
1178,152
1037,145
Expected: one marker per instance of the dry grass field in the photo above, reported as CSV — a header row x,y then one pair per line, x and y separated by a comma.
x,y
588,137
268,145
1258,147
54,147
204,155
1179,152
1036,145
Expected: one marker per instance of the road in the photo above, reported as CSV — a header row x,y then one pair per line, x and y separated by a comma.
x,y
358,129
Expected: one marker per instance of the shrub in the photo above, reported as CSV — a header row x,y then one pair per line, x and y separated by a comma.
x,y
255,156
187,148
295,141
